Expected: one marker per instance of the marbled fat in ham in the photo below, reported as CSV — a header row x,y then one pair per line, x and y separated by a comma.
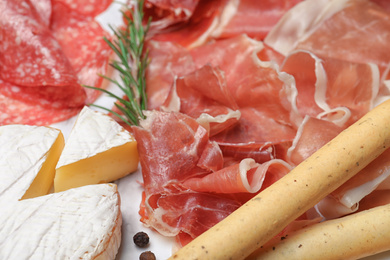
x,y
294,92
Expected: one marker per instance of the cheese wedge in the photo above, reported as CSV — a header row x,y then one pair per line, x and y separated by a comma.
x,y
81,223
28,156
98,150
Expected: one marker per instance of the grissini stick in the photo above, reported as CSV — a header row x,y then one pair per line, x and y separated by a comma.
x,y
266,214
351,237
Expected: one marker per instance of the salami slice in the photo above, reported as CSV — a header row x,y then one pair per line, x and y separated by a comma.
x,y
43,8
32,61
81,39
86,7
13,111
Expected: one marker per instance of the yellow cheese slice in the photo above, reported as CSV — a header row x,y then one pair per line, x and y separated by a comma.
x,y
98,150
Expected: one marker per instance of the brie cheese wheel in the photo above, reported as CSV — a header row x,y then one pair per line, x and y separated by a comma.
x,y
98,150
80,223
29,155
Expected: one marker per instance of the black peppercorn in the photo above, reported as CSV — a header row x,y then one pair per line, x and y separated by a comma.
x,y
141,239
147,255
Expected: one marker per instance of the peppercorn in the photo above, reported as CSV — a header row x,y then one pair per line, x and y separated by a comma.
x,y
147,255
141,239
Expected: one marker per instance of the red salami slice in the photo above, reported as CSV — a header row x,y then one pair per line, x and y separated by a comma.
x,y
13,111
43,8
86,7
81,39
32,60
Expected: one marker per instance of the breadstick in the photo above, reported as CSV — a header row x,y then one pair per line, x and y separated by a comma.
x,y
352,237
266,214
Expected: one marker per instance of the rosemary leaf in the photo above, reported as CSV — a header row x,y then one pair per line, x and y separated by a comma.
x,y
131,66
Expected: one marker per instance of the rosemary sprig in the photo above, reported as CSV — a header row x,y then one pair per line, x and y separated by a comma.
x,y
131,65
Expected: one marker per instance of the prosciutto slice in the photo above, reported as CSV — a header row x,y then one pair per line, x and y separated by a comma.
x,y
253,18
246,176
312,135
166,13
341,90
198,28
182,174
331,28
268,101
203,95
159,79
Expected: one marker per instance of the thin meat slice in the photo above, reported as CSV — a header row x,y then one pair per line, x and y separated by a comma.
x,y
269,54
81,39
266,125
13,111
261,134
159,79
312,134
166,156
375,199
86,7
166,13
255,18
203,95
175,152
187,215
341,90
32,61
43,8
198,29
336,29
246,176
174,147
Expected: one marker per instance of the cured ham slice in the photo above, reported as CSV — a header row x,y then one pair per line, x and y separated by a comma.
x,y
187,215
203,95
32,62
81,39
198,29
177,204
330,28
246,176
159,80
184,148
268,101
312,135
375,199
341,90
166,13
254,18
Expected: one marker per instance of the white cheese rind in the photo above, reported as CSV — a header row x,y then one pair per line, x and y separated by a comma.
x,y
23,151
92,133
81,223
